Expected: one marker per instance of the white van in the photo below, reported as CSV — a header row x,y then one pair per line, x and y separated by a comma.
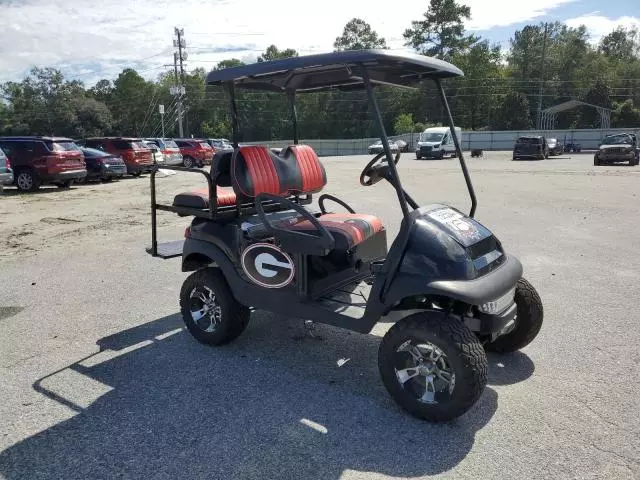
x,y
437,142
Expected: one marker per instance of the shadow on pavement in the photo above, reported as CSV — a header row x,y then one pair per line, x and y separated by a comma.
x,y
510,368
274,404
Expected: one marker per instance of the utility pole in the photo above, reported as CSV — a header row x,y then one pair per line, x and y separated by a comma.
x,y
177,92
179,57
544,55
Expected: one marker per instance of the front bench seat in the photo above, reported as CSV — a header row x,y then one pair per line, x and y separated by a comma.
x,y
347,229
297,170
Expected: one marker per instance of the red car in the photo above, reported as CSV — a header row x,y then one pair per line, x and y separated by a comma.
x,y
43,160
136,155
195,152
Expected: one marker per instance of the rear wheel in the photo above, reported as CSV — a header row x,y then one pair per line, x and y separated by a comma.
x,y
209,310
435,369
418,157
65,184
27,181
188,162
136,174
528,321
596,162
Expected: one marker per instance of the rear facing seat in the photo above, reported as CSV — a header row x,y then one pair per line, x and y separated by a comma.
x,y
200,198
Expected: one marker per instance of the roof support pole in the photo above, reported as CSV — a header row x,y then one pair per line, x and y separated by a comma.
x,y
235,126
291,94
373,103
456,141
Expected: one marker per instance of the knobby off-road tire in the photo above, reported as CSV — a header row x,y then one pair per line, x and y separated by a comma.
x,y
463,353
528,321
232,318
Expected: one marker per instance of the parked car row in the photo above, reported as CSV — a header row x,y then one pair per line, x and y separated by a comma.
x,y
29,162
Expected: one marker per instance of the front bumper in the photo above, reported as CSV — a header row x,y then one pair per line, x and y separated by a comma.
x,y
430,152
487,324
617,157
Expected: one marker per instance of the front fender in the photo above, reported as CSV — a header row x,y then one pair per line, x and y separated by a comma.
x,y
473,292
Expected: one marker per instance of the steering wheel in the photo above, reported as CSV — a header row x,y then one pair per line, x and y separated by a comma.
x,y
376,172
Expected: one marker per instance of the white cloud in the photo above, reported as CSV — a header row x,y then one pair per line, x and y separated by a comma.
x,y
119,33
599,25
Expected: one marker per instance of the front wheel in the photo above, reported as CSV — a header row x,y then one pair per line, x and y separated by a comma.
x,y
435,368
209,309
528,320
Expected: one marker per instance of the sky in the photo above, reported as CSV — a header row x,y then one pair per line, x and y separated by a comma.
x,y
88,41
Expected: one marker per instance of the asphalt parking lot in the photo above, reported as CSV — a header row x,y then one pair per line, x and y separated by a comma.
x,y
98,379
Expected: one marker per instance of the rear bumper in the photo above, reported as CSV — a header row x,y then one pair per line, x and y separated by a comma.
x,y
66,175
6,178
113,171
137,168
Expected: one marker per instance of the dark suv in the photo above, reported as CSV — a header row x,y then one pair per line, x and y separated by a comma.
x,y
136,155
622,147
532,146
43,160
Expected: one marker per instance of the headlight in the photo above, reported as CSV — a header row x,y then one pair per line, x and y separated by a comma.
x,y
500,304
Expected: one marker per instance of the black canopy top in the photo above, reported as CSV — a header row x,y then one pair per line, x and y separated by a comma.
x,y
335,70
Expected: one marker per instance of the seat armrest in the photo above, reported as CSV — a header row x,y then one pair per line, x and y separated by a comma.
x,y
319,242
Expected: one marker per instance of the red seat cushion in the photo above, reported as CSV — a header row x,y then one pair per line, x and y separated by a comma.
x,y
200,198
348,229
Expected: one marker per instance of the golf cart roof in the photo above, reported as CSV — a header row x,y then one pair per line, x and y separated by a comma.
x,y
335,70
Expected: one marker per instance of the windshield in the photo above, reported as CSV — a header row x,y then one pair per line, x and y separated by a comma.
x,y
170,144
552,141
431,137
139,146
64,147
618,140
205,145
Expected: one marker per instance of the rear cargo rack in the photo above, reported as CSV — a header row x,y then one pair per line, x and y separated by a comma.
x,y
215,212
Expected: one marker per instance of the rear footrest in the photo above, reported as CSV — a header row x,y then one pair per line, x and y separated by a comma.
x,y
167,250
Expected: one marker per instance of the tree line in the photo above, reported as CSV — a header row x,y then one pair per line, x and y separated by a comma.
x,y
544,65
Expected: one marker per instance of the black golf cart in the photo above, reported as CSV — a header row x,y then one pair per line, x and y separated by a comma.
x,y
256,242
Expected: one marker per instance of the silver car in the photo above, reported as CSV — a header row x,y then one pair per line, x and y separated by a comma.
x,y
168,149
6,174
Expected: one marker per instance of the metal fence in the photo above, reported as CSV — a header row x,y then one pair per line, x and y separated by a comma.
x,y
485,140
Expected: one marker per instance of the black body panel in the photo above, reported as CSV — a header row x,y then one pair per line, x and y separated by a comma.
x,y
443,252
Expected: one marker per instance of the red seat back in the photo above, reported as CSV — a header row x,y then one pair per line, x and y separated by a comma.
x,y
256,169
